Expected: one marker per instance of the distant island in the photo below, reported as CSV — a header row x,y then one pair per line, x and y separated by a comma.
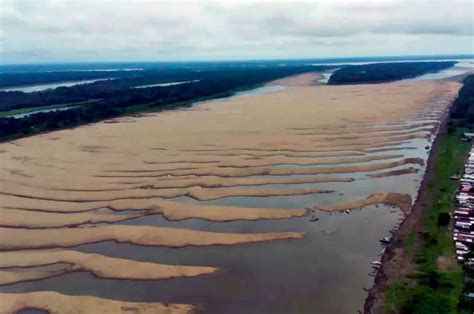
x,y
385,72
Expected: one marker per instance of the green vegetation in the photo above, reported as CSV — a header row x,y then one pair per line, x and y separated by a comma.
x,y
14,112
440,282
396,296
385,72
409,241
462,111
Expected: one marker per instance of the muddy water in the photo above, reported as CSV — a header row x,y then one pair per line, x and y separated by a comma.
x,y
326,272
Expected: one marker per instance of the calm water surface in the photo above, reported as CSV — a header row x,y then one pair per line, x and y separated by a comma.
x,y
42,87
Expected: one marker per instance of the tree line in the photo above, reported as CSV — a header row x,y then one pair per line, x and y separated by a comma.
x,y
385,72
117,97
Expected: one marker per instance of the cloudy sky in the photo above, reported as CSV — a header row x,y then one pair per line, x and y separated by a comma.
x,y
154,30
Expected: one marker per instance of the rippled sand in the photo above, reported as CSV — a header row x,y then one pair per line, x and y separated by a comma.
x,y
77,186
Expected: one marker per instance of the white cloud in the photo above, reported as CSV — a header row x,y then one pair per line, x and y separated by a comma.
x,y
118,30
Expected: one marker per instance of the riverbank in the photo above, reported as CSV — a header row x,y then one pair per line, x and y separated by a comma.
x,y
420,250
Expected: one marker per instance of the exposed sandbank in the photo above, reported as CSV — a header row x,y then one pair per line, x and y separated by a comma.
x,y
395,172
402,201
98,265
56,303
35,219
18,239
195,192
169,209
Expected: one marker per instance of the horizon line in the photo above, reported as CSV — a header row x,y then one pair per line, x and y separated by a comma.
x,y
459,56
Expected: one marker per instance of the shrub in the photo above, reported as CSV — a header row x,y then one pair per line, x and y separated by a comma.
x,y
443,219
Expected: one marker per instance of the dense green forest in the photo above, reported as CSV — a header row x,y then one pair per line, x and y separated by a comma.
x,y
462,111
385,72
28,78
116,97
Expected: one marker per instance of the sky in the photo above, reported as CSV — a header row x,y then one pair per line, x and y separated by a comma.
x,y
35,31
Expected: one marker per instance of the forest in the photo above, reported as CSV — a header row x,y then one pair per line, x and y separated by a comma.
x,y
462,110
385,72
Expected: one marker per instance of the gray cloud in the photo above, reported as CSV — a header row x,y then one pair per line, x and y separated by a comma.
x,y
76,30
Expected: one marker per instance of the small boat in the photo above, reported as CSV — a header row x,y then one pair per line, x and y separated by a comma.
x,y
313,219
385,240
348,211
376,263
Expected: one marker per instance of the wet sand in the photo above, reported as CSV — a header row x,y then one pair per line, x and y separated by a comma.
x,y
32,264
219,186
143,235
56,303
402,201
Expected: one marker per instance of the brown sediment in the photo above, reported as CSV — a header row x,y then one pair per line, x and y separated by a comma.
x,y
234,159
373,134
284,154
18,266
305,79
197,193
364,141
402,201
338,130
180,211
394,173
16,274
31,219
277,160
169,209
247,172
204,182
217,193
380,150
32,173
19,239
56,303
